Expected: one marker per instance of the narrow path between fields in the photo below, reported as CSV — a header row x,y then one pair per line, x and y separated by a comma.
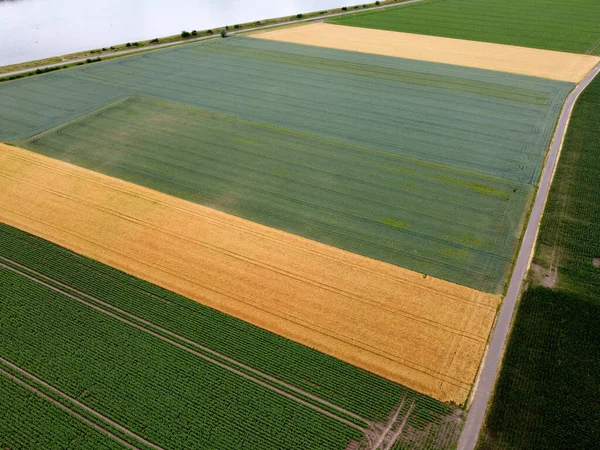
x,y
46,281
75,402
203,38
487,380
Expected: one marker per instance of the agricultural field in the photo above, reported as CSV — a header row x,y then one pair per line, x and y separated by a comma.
x,y
30,421
184,372
305,93
389,207
548,392
481,55
425,333
250,243
572,26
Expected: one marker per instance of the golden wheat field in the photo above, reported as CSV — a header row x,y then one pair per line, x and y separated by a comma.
x,y
481,55
425,333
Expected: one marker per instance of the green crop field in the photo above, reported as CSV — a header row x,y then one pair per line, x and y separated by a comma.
x,y
30,421
549,387
149,360
370,202
491,122
371,154
568,26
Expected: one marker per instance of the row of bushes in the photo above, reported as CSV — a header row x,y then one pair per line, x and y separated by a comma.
x,y
47,69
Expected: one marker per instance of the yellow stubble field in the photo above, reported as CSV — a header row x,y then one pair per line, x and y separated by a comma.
x,y
481,55
425,333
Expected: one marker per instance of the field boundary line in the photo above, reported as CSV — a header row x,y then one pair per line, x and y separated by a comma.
x,y
199,354
204,38
75,402
491,366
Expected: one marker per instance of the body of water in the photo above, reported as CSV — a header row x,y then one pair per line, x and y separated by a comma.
x,y
36,29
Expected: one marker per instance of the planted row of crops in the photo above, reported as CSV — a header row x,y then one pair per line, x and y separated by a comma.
x,y
388,207
330,379
548,392
496,123
550,24
30,421
155,389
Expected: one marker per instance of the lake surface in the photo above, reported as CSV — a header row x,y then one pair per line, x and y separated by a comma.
x,y
36,29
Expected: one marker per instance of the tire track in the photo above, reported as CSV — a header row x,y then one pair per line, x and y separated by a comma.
x,y
79,404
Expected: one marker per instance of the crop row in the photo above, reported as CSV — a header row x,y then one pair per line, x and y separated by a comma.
x,y
30,421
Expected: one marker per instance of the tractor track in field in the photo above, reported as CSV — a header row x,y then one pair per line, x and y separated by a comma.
x,y
70,411
226,362
491,364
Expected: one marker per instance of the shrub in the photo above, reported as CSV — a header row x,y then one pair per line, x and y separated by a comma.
x,y
344,9
378,3
185,34
237,26
209,31
128,44
298,16
136,44
223,33
154,41
194,33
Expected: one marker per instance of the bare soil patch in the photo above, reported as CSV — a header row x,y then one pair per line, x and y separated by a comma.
x,y
544,277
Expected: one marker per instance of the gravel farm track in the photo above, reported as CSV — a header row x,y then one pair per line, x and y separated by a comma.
x,y
491,363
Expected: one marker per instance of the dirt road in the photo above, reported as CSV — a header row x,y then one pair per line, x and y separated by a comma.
x,y
491,364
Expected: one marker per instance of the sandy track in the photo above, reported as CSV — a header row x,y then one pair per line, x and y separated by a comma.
x,y
482,55
427,334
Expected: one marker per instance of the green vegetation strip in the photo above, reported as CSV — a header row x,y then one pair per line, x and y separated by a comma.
x,y
568,26
369,202
160,391
495,123
548,392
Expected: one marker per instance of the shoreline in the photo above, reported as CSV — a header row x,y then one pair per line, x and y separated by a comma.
x,y
37,67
